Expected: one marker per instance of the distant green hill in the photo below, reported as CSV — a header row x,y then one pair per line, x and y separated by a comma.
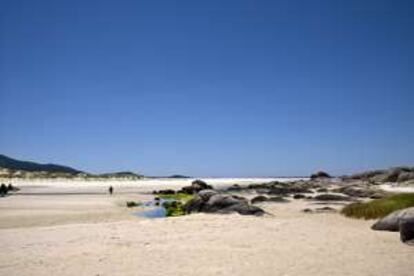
x,y
13,164
12,168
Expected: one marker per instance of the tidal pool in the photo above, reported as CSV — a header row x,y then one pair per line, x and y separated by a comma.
x,y
153,209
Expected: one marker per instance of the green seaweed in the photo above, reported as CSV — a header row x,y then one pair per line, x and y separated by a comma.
x,y
178,197
174,208
174,204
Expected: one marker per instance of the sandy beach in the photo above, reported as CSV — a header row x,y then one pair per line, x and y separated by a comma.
x,y
72,228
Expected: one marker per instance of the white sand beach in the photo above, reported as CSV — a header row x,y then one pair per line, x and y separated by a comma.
x,y
76,228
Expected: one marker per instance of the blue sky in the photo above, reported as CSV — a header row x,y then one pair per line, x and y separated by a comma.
x,y
208,88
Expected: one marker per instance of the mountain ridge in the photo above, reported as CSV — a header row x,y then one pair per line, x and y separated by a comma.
x,y
30,166
13,168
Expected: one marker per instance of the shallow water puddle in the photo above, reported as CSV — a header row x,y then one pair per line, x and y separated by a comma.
x,y
154,212
153,208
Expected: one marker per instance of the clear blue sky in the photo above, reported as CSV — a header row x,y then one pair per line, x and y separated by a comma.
x,y
208,88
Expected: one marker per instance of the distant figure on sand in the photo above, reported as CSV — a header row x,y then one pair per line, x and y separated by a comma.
x,y
111,190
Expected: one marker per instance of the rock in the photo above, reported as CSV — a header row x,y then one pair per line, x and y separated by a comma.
x,y
331,197
3,190
221,201
397,174
194,205
284,188
362,190
364,175
164,192
278,191
196,186
299,196
392,221
242,209
209,201
307,210
378,195
261,198
390,175
320,174
407,230
262,191
258,199
234,188
267,185
11,188
206,194
326,209
405,176
288,190
200,185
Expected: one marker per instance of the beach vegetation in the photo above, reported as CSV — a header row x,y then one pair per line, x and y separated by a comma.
x,y
379,208
182,197
174,203
174,208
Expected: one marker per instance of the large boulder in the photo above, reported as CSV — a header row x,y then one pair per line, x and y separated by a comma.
x,y
242,209
164,192
291,189
390,175
331,197
222,201
392,221
397,174
209,201
274,199
405,176
259,199
364,175
320,175
279,191
235,188
196,186
407,230
362,190
206,194
3,189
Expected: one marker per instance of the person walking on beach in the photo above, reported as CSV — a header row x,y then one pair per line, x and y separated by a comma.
x,y
111,190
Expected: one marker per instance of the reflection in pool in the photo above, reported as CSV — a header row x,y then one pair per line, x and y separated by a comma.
x,y
153,209
153,212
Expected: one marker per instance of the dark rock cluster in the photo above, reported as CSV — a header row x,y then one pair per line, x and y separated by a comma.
x,y
397,174
195,187
320,174
210,201
5,189
402,221
261,198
